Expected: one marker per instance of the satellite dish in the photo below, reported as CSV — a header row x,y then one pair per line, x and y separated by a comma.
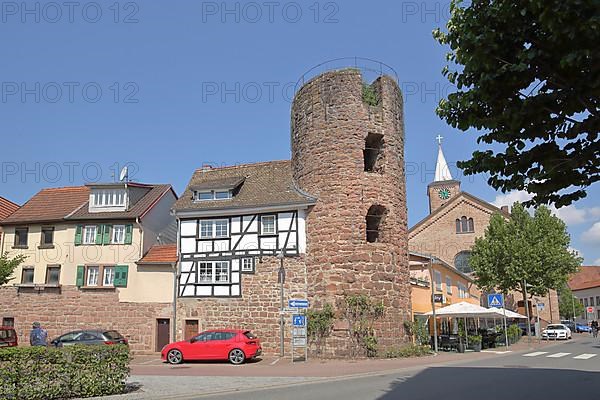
x,y
124,174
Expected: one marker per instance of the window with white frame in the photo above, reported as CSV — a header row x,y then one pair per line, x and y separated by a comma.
x,y
214,228
267,223
213,272
92,276
462,291
247,264
213,195
438,280
448,285
109,198
118,234
89,234
109,276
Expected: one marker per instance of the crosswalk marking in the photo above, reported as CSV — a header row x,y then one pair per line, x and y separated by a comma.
x,y
558,355
535,354
585,356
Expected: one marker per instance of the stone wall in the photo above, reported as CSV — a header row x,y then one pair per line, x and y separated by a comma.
x,y
330,122
69,308
257,309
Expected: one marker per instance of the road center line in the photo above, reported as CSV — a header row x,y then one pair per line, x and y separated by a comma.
x,y
558,355
535,354
585,356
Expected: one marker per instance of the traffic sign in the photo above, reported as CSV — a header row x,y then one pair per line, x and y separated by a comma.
x,y
299,341
495,300
299,320
590,310
298,303
299,331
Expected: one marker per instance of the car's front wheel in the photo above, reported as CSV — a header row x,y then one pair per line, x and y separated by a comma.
x,y
237,357
174,357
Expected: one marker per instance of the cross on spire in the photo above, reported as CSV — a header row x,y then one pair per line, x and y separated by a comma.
x,y
439,139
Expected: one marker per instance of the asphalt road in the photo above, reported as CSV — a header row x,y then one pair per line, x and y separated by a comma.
x,y
565,370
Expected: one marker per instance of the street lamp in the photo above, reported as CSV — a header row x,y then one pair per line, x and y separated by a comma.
x,y
281,280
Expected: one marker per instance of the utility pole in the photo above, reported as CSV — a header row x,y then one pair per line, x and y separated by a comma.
x,y
526,302
435,336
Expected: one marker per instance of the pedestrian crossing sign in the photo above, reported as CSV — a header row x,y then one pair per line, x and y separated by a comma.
x,y
495,300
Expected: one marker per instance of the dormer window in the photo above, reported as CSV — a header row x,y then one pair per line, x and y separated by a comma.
x,y
113,199
213,195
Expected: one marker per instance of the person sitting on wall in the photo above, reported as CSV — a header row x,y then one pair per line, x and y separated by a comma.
x,y
38,336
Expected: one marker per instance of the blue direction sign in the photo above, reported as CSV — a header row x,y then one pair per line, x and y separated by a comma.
x,y
299,320
298,303
495,300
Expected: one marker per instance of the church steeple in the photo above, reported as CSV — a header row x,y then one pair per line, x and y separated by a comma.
x,y
442,172
443,187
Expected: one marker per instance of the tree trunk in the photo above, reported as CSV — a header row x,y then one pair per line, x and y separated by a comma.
x,y
526,304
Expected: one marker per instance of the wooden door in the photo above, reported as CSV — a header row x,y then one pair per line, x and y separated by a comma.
x,y
191,328
163,329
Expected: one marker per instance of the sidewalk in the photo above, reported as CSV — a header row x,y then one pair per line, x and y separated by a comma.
x,y
156,380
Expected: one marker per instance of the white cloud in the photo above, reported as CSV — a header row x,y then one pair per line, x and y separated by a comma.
x,y
571,215
580,254
592,235
597,262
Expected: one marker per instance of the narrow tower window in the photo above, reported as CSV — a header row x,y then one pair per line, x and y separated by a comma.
x,y
375,222
373,153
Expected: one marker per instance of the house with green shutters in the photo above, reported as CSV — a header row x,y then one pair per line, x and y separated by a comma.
x,y
84,248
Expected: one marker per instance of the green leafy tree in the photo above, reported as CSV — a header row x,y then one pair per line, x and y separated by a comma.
x,y
361,312
8,266
527,75
568,305
524,253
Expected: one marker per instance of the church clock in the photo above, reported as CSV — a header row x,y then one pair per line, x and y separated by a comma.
x,y
444,193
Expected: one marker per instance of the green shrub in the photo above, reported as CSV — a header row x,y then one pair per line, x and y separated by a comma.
x,y
320,324
514,333
408,351
369,95
474,339
48,373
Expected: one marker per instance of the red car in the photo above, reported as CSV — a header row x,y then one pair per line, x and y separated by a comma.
x,y
234,345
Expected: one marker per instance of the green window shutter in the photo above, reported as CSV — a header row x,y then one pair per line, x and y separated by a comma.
x,y
107,232
128,234
78,235
80,275
99,234
121,272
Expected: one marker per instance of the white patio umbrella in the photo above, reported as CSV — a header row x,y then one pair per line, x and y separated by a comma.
x,y
509,313
464,310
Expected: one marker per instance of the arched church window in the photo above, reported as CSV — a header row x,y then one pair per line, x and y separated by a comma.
x,y
458,229
373,153
375,221
464,224
461,262
471,225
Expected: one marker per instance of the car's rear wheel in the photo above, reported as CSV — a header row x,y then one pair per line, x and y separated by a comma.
x,y
237,357
174,357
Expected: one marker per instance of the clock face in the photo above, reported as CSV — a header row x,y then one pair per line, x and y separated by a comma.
x,y
444,193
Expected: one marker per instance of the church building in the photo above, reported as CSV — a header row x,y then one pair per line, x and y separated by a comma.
x,y
456,218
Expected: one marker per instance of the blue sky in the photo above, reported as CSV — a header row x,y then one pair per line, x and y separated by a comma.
x,y
168,86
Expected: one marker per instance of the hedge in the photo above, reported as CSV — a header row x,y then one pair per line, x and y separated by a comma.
x,y
49,373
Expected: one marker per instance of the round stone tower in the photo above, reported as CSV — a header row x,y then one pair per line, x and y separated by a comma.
x,y
348,150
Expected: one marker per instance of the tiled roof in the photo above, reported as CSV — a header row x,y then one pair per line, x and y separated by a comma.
x,y
7,207
265,184
50,205
136,210
587,277
160,254
223,183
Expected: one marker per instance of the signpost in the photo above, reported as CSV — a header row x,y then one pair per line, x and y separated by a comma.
x,y
299,322
496,300
438,298
588,311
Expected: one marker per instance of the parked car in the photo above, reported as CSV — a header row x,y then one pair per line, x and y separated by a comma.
x,y
87,337
8,337
556,331
236,346
583,328
523,327
570,324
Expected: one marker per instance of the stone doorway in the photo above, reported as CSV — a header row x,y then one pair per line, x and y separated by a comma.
x,y
163,327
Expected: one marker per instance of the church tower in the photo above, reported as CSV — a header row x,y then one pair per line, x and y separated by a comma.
x,y
443,188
